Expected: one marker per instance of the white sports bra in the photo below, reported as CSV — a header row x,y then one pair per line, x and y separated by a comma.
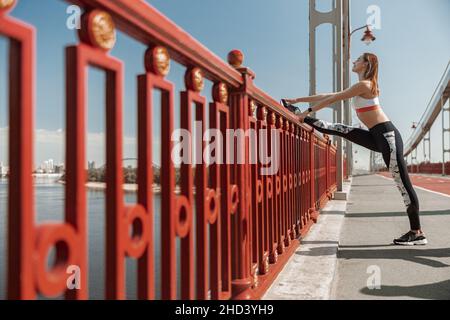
x,y
361,104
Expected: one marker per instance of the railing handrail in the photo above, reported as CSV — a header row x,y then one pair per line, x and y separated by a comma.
x,y
146,24
445,78
445,75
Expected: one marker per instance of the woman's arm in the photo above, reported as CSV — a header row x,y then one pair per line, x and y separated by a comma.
x,y
355,90
314,98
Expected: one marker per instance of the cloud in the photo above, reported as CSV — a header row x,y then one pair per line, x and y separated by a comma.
x,y
50,144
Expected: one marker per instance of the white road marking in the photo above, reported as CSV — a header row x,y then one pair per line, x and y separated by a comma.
x,y
415,186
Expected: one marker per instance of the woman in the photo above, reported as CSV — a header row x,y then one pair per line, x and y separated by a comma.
x,y
382,135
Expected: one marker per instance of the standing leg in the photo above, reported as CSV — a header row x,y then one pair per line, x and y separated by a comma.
x,y
393,158
356,135
399,171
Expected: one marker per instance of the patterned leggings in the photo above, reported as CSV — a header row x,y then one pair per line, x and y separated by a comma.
x,y
385,138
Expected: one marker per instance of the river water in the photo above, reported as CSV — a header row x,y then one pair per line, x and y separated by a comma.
x,y
49,205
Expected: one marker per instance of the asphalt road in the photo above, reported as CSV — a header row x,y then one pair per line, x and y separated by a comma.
x,y
369,267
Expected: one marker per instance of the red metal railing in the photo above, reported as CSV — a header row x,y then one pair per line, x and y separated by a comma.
x,y
430,168
252,222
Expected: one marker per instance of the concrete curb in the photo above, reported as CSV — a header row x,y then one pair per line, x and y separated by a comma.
x,y
309,273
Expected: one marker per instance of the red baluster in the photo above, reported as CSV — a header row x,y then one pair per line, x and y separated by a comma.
x,y
21,232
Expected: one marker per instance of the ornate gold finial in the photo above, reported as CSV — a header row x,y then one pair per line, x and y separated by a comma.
x,y
157,60
7,4
220,92
98,29
253,107
235,58
194,79
103,30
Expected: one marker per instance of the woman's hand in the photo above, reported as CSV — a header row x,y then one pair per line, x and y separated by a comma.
x,y
290,101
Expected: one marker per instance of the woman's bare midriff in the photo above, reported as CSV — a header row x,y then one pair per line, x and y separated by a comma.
x,y
371,118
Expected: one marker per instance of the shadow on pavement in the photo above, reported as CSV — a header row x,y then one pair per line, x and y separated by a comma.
x,y
438,290
318,242
420,256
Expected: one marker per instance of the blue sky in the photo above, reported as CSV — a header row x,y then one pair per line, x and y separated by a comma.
x,y
412,46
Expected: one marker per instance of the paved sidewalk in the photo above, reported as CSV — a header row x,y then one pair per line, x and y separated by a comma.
x,y
310,271
375,215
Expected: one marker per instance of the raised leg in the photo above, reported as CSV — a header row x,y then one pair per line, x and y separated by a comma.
x,y
356,135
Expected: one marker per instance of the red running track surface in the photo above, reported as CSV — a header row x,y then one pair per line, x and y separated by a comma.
x,y
438,184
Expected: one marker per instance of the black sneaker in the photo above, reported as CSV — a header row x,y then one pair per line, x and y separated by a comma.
x,y
410,239
290,107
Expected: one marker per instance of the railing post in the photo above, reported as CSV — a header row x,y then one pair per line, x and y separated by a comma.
x,y
242,279
312,211
21,230
327,166
279,189
262,207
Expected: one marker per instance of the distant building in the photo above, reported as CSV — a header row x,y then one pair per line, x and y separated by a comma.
x,y
50,165
59,168
91,165
40,170
3,169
